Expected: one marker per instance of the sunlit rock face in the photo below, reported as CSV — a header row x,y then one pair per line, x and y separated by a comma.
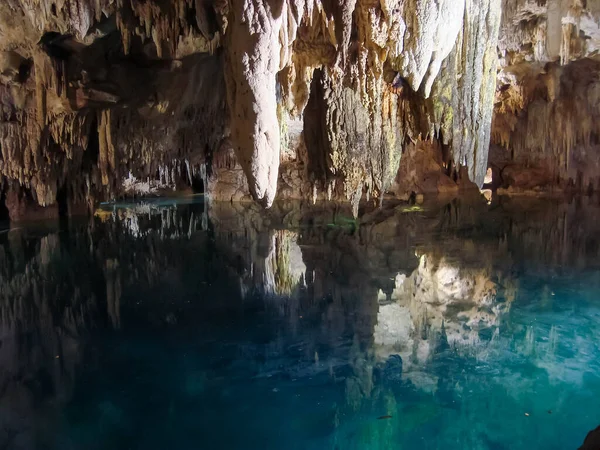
x,y
253,59
544,129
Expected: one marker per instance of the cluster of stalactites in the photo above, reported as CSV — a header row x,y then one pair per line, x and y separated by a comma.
x,y
169,24
368,51
392,71
73,16
37,124
49,141
464,91
551,120
176,28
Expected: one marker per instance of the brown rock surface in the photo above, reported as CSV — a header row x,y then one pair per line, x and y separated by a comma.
x,y
546,102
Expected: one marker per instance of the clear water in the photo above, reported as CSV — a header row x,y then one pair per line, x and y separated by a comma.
x,y
177,326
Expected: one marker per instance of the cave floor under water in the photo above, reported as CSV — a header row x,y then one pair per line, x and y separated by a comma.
x,y
187,326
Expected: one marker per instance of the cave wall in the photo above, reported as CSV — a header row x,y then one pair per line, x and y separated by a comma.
x,y
309,99
544,132
95,91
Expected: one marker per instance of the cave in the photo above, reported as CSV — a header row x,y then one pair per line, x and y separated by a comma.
x,y
197,185
4,216
303,224
341,111
62,201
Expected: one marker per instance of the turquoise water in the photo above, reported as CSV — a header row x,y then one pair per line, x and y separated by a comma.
x,y
178,326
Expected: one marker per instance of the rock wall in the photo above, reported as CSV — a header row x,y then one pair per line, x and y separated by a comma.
x,y
94,91
544,129
311,99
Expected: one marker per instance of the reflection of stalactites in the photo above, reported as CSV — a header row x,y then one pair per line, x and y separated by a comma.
x,y
192,225
284,267
113,292
49,248
529,344
424,326
107,158
360,385
552,340
442,342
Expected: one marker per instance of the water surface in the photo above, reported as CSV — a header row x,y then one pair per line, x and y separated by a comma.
x,y
182,326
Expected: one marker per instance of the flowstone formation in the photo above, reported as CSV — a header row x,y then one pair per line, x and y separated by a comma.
x,y
308,99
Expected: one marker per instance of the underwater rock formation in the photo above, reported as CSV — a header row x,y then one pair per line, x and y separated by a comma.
x,y
308,99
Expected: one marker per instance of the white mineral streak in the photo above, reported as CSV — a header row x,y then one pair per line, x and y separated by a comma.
x,y
463,93
429,37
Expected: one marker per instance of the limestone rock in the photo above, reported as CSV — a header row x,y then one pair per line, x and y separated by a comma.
x,y
253,59
546,102
95,91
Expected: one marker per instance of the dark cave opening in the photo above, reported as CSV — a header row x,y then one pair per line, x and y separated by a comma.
x,y
55,45
25,70
92,153
315,132
197,185
4,214
62,199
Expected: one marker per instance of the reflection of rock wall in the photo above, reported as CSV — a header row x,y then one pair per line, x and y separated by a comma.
x,y
44,320
442,293
57,288
286,265
439,304
351,291
461,280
